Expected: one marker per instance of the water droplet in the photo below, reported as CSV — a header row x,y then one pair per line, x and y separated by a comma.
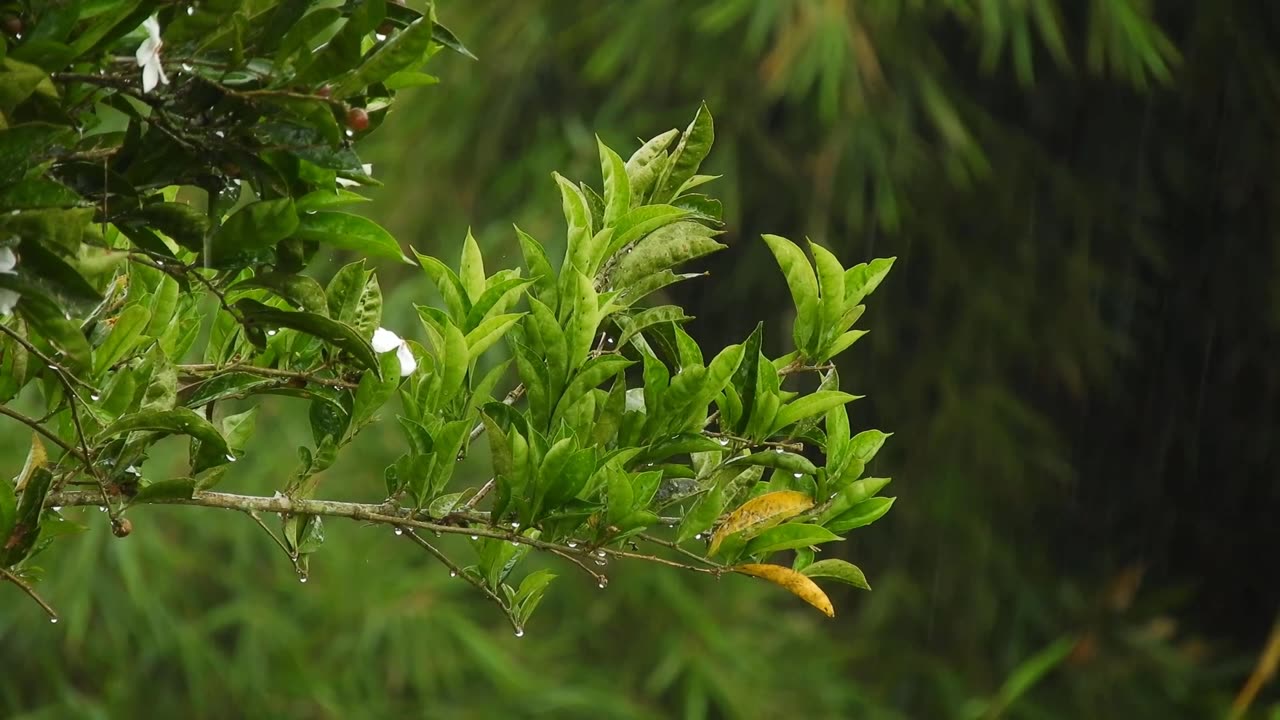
x,y
698,536
351,133
57,508
133,470
53,620
453,573
604,583
186,67
599,553
272,333
95,397
219,133
723,441
572,544
302,579
439,534
514,543
475,537
191,10
102,508
380,37
519,632
399,531
51,367
231,458
799,475
601,562
609,340
515,525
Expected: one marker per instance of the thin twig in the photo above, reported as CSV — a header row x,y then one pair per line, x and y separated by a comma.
x,y
457,572
35,425
601,579
293,558
511,398
48,361
215,370
673,546
793,447
26,588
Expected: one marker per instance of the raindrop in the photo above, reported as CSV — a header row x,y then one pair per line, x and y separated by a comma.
x,y
609,340
186,67
777,449
399,531
519,632
191,10
57,508
231,458
572,544
52,367
515,525
723,441
219,133
53,620
604,583
453,573
380,37
514,543
601,562
351,133
102,508
475,537
272,333
698,536
302,579
799,475
599,553
95,397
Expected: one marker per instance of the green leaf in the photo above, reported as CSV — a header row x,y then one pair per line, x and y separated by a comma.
x,y
578,216
238,428
864,513
695,144
499,447
808,406
374,391
532,588
864,446
303,30
651,284
640,222
540,270
745,379
123,338
489,332
255,226
836,569
789,537
17,82
8,510
453,358
402,50
301,291
648,318
862,280
27,525
497,297
850,495
332,331
51,322
803,286
327,199
188,226
349,232
640,170
471,268
841,344
620,497
586,317
830,290
592,375
663,249
450,287
779,459
617,186
549,337
178,421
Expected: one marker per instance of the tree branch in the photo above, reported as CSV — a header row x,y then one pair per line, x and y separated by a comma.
x,y
35,425
26,588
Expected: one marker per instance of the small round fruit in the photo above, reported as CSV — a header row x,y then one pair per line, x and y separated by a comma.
x,y
122,527
358,119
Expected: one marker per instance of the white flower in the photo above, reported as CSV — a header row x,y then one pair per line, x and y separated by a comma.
x,y
385,341
343,182
8,298
148,56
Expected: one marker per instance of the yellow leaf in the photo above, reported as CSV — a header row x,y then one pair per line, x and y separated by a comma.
x,y
771,508
798,584
36,459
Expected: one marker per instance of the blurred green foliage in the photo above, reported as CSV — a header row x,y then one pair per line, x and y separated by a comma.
x,y
1081,196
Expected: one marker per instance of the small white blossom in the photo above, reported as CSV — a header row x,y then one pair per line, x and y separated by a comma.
x,y
8,298
148,56
385,341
